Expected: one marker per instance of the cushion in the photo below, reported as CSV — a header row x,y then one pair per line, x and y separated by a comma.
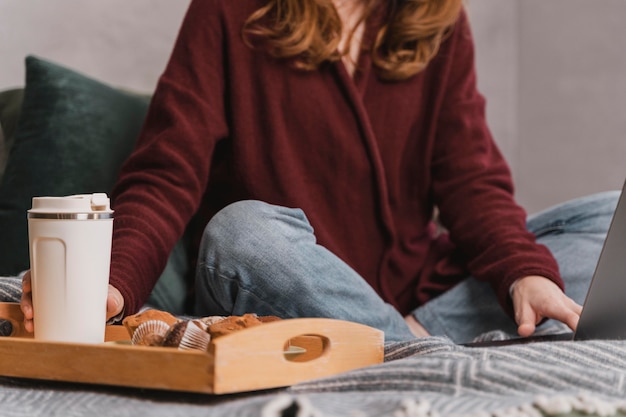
x,y
72,137
3,152
10,105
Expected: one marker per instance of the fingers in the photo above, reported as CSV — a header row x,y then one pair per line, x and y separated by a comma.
x,y
536,298
527,321
567,312
115,302
26,303
561,308
26,283
415,326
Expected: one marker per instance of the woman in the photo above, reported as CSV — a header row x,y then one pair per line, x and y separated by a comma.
x,y
315,138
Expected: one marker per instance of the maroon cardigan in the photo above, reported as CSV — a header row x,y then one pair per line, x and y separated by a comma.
x,y
367,161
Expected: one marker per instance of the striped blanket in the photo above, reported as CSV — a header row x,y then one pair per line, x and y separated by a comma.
x,y
425,377
433,376
420,378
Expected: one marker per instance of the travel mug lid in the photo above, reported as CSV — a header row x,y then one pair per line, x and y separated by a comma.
x,y
79,206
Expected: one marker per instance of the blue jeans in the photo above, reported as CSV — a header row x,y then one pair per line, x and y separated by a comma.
x,y
573,231
255,257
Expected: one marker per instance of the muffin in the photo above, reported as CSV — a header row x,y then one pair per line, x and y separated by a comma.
x,y
160,328
150,333
187,335
132,322
235,323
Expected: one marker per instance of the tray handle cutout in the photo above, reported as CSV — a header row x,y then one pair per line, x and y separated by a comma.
x,y
256,358
305,347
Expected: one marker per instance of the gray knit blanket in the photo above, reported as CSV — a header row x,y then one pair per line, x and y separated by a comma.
x,y
425,377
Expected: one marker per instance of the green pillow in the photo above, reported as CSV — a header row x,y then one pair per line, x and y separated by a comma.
x,y
72,137
3,152
10,105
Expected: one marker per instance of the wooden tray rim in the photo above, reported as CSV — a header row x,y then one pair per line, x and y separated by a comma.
x,y
222,369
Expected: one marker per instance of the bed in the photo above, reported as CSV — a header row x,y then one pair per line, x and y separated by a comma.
x,y
65,133
424,377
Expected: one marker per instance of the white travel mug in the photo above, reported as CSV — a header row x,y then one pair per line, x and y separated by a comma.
x,y
70,258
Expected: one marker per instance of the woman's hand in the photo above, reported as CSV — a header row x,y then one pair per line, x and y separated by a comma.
x,y
26,303
535,298
115,302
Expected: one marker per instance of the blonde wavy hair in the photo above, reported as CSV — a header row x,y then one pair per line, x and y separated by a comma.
x,y
309,31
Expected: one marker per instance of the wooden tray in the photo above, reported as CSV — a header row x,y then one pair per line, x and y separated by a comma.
x,y
252,359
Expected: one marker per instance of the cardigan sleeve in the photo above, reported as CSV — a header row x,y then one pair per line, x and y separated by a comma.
x,y
472,183
162,182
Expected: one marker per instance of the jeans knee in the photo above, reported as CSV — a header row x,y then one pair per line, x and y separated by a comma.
x,y
235,214
233,223
250,228
608,200
589,214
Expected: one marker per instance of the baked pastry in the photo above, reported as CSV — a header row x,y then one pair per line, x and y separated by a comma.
x,y
211,319
187,335
268,319
132,322
150,333
160,328
235,323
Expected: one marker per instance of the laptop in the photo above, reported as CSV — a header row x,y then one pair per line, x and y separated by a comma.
x,y
604,310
